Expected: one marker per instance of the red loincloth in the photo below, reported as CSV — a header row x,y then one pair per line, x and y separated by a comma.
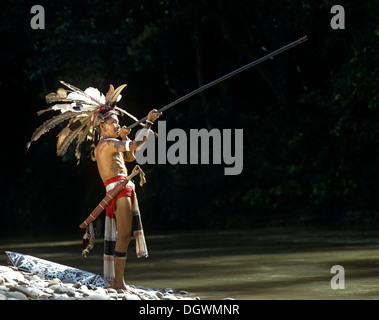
x,y
126,192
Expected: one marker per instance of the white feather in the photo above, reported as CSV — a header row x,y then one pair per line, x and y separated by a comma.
x,y
80,96
63,107
96,94
73,107
78,107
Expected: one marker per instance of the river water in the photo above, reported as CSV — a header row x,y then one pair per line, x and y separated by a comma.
x,y
249,264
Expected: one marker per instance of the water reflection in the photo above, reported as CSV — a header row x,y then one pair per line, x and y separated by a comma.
x,y
253,264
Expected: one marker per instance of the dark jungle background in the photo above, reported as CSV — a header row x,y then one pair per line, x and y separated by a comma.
x,y
310,115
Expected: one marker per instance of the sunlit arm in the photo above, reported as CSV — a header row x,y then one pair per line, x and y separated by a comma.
x,y
128,145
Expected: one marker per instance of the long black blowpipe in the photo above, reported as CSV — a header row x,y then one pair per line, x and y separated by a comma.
x,y
231,74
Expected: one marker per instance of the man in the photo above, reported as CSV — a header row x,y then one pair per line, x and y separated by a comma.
x,y
87,110
110,154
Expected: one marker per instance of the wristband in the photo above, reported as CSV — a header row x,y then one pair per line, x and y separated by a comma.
x,y
150,122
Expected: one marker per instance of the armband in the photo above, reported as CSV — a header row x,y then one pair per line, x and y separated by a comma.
x,y
127,144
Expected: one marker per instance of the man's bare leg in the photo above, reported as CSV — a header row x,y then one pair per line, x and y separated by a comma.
x,y
124,218
119,267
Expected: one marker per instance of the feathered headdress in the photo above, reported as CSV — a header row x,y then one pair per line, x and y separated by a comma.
x,y
83,109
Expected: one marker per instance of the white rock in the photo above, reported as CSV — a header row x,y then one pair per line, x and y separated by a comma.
x,y
21,289
54,281
16,296
100,290
13,275
111,290
128,296
48,291
62,289
36,277
56,296
97,296
5,269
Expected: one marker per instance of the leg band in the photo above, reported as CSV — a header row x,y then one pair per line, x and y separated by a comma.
x,y
120,255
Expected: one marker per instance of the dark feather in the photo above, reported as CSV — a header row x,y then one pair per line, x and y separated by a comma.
x,y
66,131
51,123
79,125
60,95
81,137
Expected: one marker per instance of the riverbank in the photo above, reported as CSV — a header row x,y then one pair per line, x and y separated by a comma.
x,y
20,285
273,264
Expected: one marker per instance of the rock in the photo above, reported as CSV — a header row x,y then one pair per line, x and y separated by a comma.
x,y
12,276
37,293
128,296
98,296
48,291
30,292
91,286
25,291
57,296
38,284
23,282
5,269
16,296
8,281
153,296
111,290
35,277
54,281
62,289
100,290
53,286
13,268
21,285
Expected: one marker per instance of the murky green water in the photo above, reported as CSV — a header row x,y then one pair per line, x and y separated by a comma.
x,y
255,264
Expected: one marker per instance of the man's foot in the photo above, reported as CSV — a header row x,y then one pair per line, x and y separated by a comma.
x,y
120,285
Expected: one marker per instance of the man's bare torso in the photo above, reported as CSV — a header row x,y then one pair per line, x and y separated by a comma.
x,y
109,163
